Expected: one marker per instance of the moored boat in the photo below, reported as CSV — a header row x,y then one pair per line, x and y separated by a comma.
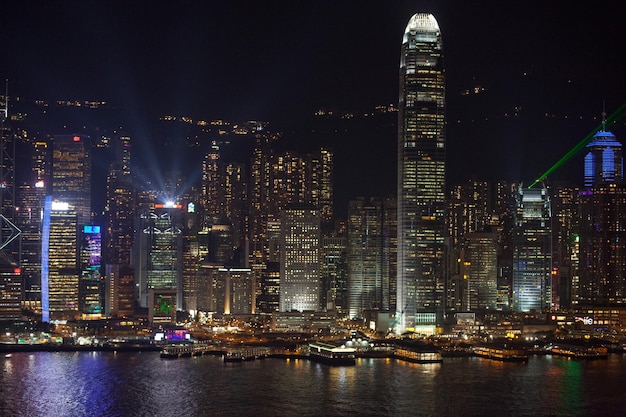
x,y
501,353
417,356
581,352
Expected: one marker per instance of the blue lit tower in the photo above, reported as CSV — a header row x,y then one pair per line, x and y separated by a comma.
x,y
421,177
603,224
603,160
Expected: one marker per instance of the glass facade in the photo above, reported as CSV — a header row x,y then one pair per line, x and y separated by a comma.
x,y
59,262
532,251
365,252
421,174
90,286
71,173
300,260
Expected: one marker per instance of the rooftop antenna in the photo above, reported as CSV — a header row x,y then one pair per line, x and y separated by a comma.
x,y
604,115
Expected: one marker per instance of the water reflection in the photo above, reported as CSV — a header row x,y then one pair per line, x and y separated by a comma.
x,y
127,384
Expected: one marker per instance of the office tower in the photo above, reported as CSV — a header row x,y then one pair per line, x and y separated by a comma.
x,y
71,173
268,300
158,255
119,207
120,297
10,289
365,256
300,259
479,270
603,224
90,289
195,254
390,253
503,218
468,212
320,182
604,163
334,269
221,244
421,177
28,216
10,271
59,261
242,290
565,202
119,215
532,251
236,201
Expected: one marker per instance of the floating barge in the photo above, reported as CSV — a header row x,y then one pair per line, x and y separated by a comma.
x,y
501,353
338,355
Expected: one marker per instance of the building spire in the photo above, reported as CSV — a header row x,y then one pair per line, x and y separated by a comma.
x,y
604,115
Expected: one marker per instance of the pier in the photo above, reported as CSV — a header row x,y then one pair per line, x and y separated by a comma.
x,y
247,354
184,350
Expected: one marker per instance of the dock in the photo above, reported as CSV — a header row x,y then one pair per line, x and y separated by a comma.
x,y
246,354
188,350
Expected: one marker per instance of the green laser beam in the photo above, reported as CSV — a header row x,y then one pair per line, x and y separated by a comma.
x,y
614,117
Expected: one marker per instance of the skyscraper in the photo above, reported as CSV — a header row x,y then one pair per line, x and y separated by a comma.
x,y
119,213
90,302
603,224
479,269
421,177
71,174
365,254
158,255
532,251
300,259
59,262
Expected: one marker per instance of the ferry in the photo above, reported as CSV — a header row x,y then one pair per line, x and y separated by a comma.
x,y
332,354
416,356
501,354
581,352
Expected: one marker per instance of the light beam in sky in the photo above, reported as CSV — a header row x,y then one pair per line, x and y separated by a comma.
x,y
614,117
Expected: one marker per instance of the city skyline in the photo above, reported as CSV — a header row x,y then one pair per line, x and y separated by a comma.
x,y
518,78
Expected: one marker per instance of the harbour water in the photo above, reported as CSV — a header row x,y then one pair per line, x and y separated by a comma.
x,y
142,384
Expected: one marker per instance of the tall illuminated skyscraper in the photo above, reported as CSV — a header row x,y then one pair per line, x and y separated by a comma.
x,y
532,251
300,259
603,224
365,254
118,237
59,262
421,177
71,174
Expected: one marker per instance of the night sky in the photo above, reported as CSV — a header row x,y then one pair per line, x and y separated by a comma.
x,y
546,69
